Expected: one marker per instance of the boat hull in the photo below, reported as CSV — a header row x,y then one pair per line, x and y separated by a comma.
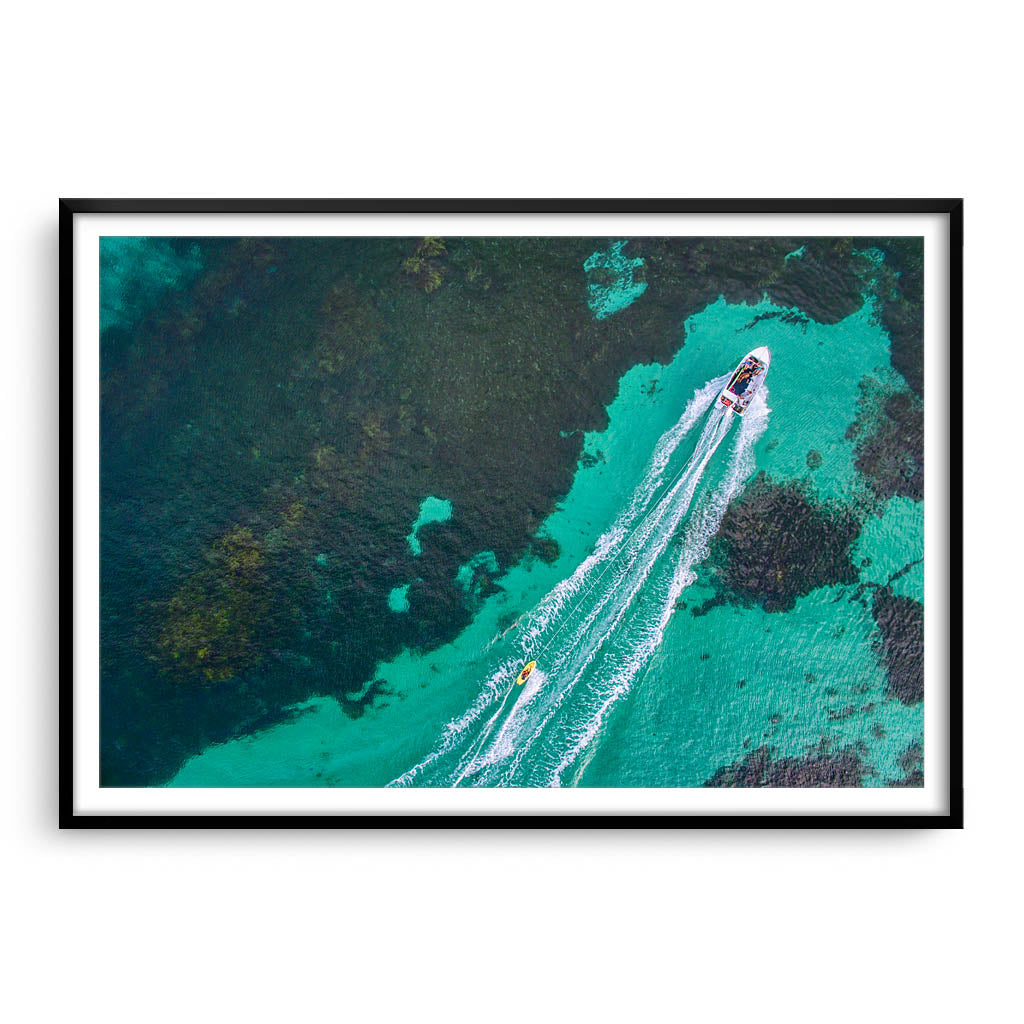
x,y
746,381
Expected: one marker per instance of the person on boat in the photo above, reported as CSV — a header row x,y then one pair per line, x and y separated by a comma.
x,y
743,378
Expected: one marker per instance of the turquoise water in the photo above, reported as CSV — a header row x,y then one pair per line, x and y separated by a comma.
x,y
432,510
632,689
468,575
612,284
137,271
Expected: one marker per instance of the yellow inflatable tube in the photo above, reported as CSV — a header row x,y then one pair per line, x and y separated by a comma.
x,y
525,674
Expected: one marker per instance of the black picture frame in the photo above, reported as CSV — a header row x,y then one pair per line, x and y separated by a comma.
x,y
953,209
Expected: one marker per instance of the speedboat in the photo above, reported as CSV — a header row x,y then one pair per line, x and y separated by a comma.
x,y
744,383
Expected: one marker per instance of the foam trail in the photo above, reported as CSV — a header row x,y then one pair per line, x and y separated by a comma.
x,y
607,544
558,718
602,623
467,763
454,730
697,538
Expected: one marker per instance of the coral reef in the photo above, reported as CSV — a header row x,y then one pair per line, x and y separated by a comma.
x,y
900,621
345,312
614,280
356,707
783,315
897,282
546,549
138,272
213,618
819,769
912,766
425,266
475,577
889,436
824,281
778,542
307,388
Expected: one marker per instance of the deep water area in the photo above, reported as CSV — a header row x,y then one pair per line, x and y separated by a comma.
x,y
349,484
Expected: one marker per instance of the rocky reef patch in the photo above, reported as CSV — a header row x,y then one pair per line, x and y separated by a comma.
x,y
426,264
213,622
889,441
897,283
614,280
912,766
900,646
825,280
820,768
778,542
297,397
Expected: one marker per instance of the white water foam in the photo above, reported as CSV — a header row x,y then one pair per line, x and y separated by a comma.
x,y
574,658
624,557
608,543
694,548
616,635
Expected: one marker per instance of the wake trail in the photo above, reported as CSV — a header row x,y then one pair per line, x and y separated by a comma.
x,y
608,543
634,648
602,624
608,617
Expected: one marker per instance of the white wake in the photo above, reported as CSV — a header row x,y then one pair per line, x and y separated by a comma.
x,y
593,633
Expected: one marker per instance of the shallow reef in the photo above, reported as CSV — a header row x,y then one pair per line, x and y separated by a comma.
x,y
138,272
825,280
312,390
820,768
546,549
778,542
476,577
897,282
425,265
782,315
356,707
614,280
212,622
900,622
889,441
912,765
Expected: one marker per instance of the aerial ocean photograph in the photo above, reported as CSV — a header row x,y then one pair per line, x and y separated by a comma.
x,y
506,511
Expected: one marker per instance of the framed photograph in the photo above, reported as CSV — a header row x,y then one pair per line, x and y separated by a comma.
x,y
521,512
